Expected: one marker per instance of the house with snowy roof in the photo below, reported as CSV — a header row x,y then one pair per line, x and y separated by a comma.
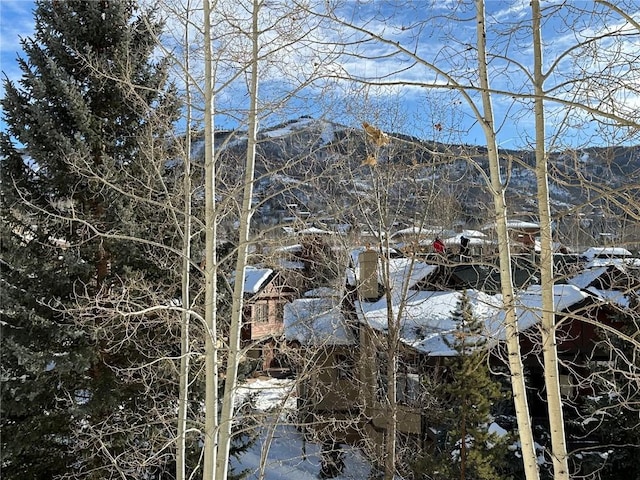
x,y
477,243
611,274
321,342
266,292
412,238
396,295
621,276
522,233
427,327
606,253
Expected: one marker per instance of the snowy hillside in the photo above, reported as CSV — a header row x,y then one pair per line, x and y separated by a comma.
x,y
320,166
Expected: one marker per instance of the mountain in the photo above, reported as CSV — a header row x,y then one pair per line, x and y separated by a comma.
x,y
309,169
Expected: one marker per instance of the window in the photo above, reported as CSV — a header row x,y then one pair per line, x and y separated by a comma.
x,y
567,385
261,313
408,388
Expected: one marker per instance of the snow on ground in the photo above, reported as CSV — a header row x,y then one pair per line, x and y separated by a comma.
x,y
289,456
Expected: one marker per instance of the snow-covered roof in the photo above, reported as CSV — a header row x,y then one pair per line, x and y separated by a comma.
x,y
564,296
428,324
254,278
418,231
314,231
291,264
614,297
513,224
587,276
316,321
603,262
403,272
295,248
473,234
522,224
606,252
475,240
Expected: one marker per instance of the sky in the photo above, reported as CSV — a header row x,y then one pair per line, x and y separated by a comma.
x,y
405,105
16,20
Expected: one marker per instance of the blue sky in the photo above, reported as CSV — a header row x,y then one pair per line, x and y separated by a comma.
x,y
410,107
16,20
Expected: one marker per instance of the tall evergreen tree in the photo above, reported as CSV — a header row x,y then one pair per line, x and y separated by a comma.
x,y
467,450
81,168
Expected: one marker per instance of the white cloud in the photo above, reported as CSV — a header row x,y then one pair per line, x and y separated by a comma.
x,y
309,54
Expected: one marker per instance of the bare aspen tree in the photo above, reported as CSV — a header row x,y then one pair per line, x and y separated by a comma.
x,y
270,31
210,267
600,75
603,76
516,369
234,352
379,222
224,352
185,349
548,328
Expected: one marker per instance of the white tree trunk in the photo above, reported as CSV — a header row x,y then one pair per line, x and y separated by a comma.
x,y
511,325
549,348
234,353
393,345
183,394
210,267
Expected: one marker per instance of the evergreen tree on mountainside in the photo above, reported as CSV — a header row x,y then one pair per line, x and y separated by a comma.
x,y
82,157
467,449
